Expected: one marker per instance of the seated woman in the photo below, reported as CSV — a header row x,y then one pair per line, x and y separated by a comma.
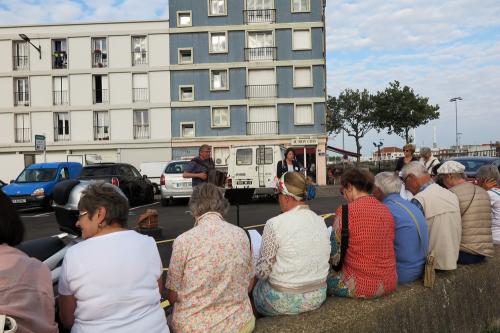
x,y
369,266
488,177
293,263
211,270
111,281
26,292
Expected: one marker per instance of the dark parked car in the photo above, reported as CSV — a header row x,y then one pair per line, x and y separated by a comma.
x,y
2,184
473,163
138,189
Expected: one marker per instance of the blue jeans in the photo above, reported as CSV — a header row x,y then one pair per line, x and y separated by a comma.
x,y
465,258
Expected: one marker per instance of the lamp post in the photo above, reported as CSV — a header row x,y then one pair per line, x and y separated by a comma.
x,y
380,144
28,40
456,99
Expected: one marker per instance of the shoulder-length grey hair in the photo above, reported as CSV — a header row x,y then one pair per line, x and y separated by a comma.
x,y
488,172
388,182
105,195
206,198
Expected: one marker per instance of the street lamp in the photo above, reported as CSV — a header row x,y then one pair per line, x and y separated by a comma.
x,y
455,99
27,39
380,144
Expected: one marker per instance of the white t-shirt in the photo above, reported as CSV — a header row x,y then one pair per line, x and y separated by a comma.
x,y
494,194
114,278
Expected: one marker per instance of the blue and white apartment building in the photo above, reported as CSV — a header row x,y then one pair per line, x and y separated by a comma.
x,y
248,72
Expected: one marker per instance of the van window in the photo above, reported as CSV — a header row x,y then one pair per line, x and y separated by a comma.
x,y
264,155
63,174
244,156
176,167
36,175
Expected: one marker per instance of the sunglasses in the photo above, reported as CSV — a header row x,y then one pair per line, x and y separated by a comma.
x,y
407,150
82,214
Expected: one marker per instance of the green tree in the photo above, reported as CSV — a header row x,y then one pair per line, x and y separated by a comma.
x,y
399,109
352,112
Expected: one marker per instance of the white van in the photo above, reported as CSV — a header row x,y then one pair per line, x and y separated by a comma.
x,y
153,170
254,166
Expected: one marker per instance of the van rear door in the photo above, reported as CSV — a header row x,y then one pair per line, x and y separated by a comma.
x,y
245,173
265,165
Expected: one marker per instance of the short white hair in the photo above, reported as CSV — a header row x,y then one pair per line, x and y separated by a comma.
x,y
388,182
414,168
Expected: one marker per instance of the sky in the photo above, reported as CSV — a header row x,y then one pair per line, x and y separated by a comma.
x,y
441,49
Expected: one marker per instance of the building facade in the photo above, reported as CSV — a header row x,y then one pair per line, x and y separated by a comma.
x,y
248,72
96,91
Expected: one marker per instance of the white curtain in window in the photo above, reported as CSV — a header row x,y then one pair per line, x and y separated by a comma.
x,y
22,86
184,19
21,49
218,42
186,93
138,44
219,79
23,120
60,83
301,39
99,44
259,4
262,113
141,117
260,39
217,7
61,120
187,130
303,114
220,116
302,76
261,77
300,5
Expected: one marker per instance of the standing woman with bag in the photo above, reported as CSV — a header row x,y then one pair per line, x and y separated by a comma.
x,y
362,242
288,164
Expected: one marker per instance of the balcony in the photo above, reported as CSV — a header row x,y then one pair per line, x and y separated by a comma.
x,y
23,135
262,127
140,94
259,16
100,96
59,60
260,53
262,91
141,131
139,58
99,59
21,62
101,133
60,97
21,98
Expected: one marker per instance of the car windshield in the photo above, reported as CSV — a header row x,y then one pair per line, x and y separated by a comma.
x,y
473,165
36,175
97,171
176,167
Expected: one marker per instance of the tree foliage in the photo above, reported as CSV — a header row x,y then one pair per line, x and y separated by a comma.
x,y
399,109
352,111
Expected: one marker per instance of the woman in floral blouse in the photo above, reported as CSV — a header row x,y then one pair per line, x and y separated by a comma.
x,y
211,270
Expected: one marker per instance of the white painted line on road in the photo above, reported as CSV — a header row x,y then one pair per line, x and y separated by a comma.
x,y
151,204
39,215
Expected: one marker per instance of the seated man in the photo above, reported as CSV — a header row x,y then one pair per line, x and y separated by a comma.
x,y
475,211
442,212
411,241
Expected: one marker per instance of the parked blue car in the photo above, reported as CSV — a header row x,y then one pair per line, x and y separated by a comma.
x,y
34,186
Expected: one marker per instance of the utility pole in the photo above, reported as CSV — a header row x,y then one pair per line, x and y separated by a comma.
x,y
455,99
380,144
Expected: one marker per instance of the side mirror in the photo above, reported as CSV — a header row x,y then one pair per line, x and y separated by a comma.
x,y
144,177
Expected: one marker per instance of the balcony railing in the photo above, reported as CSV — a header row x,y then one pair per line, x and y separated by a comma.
x,y
259,16
21,98
100,96
61,133
21,62
141,131
262,91
101,133
23,135
99,59
262,127
59,60
140,94
139,58
260,53
60,97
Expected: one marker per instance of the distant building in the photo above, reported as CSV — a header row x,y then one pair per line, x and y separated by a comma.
x,y
388,153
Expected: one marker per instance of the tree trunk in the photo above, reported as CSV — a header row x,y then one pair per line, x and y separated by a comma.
x,y
407,136
358,150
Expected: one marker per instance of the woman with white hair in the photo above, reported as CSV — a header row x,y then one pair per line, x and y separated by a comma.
x,y
488,177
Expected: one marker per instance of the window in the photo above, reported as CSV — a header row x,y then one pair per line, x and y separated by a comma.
x,y
186,93
99,53
264,155
23,133
220,116
259,11
218,42
260,46
244,156
301,39
221,155
218,80
141,124
59,54
187,130
140,91
139,51
21,91
100,89
216,7
300,6
185,56
21,55
262,120
302,77
61,126
184,19
60,90
261,83
303,114
101,125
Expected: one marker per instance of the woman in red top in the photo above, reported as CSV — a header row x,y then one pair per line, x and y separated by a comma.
x,y
369,267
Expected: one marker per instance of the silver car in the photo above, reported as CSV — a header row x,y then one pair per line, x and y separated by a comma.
x,y
172,184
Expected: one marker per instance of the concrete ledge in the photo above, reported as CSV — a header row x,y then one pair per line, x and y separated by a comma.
x,y
465,300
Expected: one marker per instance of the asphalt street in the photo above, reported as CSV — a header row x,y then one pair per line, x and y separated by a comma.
x,y
175,219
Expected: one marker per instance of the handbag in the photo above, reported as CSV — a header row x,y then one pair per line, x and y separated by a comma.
x,y
7,324
429,271
344,239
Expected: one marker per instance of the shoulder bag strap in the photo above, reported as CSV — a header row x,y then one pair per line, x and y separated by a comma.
x,y
470,203
344,242
414,219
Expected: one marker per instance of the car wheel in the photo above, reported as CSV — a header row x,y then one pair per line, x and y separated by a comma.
x,y
150,198
48,204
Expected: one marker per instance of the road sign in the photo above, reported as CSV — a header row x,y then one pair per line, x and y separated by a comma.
x,y
40,142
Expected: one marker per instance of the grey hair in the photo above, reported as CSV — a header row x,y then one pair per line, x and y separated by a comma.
x,y
101,194
424,151
204,147
206,198
488,172
388,182
414,168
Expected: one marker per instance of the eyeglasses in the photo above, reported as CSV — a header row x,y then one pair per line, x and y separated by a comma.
x,y
404,179
407,150
82,214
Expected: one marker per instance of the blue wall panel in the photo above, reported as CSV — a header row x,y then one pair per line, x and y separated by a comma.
x,y
284,44
286,119
284,78
200,16
284,12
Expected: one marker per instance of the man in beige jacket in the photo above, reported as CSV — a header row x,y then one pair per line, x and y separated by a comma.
x,y
475,210
442,213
